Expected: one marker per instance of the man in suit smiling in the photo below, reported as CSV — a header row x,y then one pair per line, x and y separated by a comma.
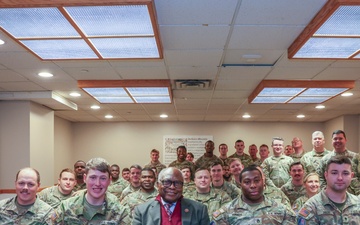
x,y
169,207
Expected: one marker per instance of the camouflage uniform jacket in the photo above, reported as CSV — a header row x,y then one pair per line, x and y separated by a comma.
x,y
204,162
320,210
267,212
276,195
79,187
53,196
158,165
189,187
245,159
311,160
225,161
232,190
137,198
257,162
38,214
118,186
293,192
128,190
179,165
276,170
298,203
354,187
72,212
297,157
213,200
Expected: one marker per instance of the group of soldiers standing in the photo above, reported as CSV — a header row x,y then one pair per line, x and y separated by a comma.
x,y
315,187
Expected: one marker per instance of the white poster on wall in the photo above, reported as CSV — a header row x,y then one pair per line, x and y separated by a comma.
x,y
193,143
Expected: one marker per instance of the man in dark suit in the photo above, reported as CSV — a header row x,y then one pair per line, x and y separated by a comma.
x,y
169,207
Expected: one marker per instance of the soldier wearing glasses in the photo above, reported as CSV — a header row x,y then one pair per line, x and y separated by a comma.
x,y
169,207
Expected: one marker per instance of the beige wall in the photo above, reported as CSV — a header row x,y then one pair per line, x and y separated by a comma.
x,y
128,143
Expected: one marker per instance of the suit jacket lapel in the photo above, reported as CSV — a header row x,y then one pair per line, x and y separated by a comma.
x,y
185,212
155,213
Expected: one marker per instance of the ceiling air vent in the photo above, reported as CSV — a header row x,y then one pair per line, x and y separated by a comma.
x,y
192,84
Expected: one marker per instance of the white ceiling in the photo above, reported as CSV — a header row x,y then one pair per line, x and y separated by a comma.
x,y
198,37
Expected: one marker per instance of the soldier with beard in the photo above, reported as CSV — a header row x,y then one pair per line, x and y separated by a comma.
x,y
79,168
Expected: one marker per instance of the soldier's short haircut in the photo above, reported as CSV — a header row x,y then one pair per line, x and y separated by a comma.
x,y
296,163
277,139
317,133
115,165
264,145
68,170
309,175
29,168
239,140
125,170
99,164
231,160
165,170
79,161
155,151
252,167
339,132
339,159
215,163
222,144
192,155
149,170
137,166
181,146
209,141
200,169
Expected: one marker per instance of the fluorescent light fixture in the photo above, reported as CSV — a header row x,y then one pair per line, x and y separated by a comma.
x,y
320,107
45,74
298,91
58,30
128,91
347,94
75,94
164,116
300,116
334,33
95,107
246,116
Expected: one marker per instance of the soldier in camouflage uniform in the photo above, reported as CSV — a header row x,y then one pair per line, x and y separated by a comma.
x,y
79,169
276,167
311,160
147,191
299,151
95,205
181,161
64,190
155,163
312,185
118,184
208,157
339,144
252,207
240,154
253,150
235,169
218,182
334,205
135,173
25,208
294,188
212,198
189,185
223,150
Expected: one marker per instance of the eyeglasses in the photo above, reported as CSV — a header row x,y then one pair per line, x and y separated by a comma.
x,y
168,183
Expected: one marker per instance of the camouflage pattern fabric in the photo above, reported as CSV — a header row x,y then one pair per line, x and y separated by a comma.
x,y
245,159
79,187
296,157
232,190
53,196
38,214
298,203
321,210
213,200
204,162
225,161
189,187
118,186
128,190
267,212
354,187
74,212
159,166
276,195
293,192
311,160
257,162
276,170
180,165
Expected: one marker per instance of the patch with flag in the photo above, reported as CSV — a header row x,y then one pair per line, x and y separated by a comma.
x,y
304,212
